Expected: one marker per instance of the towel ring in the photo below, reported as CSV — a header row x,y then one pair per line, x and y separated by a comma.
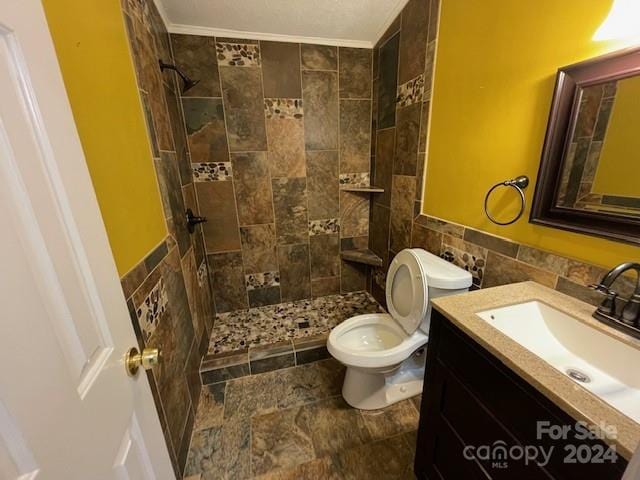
x,y
519,183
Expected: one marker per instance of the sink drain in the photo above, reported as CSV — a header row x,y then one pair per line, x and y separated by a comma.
x,y
577,375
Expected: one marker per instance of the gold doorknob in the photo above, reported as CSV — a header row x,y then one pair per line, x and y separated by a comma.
x,y
133,360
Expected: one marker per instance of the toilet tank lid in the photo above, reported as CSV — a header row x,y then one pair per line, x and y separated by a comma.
x,y
442,274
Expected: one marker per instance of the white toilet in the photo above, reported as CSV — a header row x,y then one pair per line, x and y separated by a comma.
x,y
383,352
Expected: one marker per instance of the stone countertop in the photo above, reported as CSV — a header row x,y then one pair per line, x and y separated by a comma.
x,y
564,392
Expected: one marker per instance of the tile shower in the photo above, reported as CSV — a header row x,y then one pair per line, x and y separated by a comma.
x,y
274,130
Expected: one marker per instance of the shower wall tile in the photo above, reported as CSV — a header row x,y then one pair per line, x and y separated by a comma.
x,y
355,72
295,280
413,40
324,227
318,57
228,282
253,188
324,251
237,53
290,205
171,195
355,128
407,134
320,98
259,248
207,139
353,277
388,82
217,205
385,153
190,272
379,230
321,287
212,172
402,195
244,108
261,297
255,281
285,137
283,108
196,57
281,69
323,184
424,125
354,214
179,137
150,80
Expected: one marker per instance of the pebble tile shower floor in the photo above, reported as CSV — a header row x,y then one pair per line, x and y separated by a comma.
x,y
292,424
275,323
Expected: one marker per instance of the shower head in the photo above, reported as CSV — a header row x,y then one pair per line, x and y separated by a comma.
x,y
187,83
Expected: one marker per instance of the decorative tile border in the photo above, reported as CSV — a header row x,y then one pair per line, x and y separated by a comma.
x,y
211,171
254,281
493,260
238,54
324,227
201,274
152,308
472,262
411,92
355,179
283,108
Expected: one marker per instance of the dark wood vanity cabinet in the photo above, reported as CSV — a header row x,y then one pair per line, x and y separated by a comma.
x,y
471,399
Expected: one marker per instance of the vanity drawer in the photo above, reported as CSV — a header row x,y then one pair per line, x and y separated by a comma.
x,y
469,393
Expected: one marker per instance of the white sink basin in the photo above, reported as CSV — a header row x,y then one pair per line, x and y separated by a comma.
x,y
612,368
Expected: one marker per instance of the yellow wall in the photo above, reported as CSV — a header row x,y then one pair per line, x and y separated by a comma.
x,y
93,52
619,162
495,69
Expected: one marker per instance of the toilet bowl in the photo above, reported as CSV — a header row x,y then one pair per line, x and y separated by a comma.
x,y
383,352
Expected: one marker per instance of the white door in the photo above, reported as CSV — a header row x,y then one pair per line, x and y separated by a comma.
x,y
67,408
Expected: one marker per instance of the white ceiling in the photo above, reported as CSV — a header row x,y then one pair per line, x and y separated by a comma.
x,y
353,23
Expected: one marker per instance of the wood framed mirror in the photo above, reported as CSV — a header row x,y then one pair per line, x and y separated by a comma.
x,y
589,175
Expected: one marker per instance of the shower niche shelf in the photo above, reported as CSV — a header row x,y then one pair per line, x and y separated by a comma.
x,y
364,189
362,256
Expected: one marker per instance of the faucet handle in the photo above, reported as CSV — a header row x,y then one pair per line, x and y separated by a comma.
x,y
600,288
608,305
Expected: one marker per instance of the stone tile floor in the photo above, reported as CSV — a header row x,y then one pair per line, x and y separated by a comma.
x,y
275,323
293,424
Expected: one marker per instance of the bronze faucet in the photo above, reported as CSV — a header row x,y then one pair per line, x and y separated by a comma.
x,y
629,315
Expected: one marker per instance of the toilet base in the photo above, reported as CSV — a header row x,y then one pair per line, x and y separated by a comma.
x,y
370,389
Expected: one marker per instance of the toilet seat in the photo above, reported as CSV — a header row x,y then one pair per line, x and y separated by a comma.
x,y
407,291
373,340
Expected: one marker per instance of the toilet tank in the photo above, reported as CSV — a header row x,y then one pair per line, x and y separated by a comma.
x,y
443,278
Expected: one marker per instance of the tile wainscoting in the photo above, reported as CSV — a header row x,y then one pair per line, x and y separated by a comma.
x,y
493,261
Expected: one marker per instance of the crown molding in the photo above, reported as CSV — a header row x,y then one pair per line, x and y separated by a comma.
x,y
275,37
400,4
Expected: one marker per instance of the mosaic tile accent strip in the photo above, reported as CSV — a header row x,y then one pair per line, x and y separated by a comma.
x,y
238,54
254,281
283,108
411,92
474,264
275,323
324,227
152,308
201,274
355,179
212,172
